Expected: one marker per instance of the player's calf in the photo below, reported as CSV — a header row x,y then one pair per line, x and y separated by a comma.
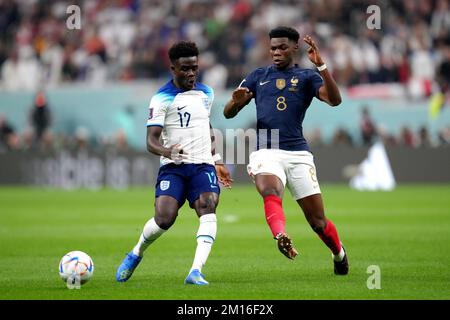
x,y
273,211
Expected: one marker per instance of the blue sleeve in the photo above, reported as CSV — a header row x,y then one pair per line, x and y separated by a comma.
x,y
250,82
316,81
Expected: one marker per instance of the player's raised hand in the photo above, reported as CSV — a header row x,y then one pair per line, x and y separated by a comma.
x,y
313,51
242,95
224,175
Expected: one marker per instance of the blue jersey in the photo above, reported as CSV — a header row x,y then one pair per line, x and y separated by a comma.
x,y
282,98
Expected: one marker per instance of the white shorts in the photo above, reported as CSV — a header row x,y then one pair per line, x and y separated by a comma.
x,y
294,168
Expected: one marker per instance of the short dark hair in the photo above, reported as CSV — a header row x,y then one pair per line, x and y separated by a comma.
x,y
284,32
183,49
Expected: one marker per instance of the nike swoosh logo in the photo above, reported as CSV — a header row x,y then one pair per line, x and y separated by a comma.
x,y
178,108
263,83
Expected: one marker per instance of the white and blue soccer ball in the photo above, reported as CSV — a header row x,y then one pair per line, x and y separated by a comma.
x,y
77,267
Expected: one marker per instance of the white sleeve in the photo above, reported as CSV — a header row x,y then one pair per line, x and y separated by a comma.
x,y
156,112
210,102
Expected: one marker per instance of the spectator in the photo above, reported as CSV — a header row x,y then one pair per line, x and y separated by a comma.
x,y
342,138
120,141
27,139
10,74
424,138
40,116
386,137
81,139
407,137
444,137
443,69
315,138
367,127
8,137
21,70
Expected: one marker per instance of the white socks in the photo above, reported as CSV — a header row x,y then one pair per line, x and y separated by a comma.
x,y
151,232
206,235
339,256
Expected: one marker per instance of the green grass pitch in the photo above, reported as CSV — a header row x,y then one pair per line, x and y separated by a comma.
x,y
405,232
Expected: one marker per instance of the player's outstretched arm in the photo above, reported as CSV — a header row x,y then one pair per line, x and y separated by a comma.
x,y
240,98
174,152
329,92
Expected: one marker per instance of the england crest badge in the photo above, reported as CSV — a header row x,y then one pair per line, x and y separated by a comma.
x,y
164,185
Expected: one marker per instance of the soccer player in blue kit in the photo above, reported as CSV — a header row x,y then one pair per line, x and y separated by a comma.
x,y
283,93
179,114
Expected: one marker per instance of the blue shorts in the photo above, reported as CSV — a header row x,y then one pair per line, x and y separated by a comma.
x,y
186,181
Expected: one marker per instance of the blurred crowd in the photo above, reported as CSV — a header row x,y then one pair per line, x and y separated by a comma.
x,y
369,132
125,40
14,140
128,39
39,136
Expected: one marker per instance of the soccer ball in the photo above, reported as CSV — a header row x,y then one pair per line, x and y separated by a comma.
x,y
76,268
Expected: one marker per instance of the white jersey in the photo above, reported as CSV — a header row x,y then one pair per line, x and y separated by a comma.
x,y
184,117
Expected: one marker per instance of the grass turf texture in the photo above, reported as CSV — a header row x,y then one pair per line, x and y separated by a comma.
x,y
405,232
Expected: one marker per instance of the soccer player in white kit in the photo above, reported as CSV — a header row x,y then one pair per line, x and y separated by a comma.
x,y
190,169
283,92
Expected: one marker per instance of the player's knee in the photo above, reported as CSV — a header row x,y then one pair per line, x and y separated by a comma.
x,y
318,225
270,192
207,203
166,220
